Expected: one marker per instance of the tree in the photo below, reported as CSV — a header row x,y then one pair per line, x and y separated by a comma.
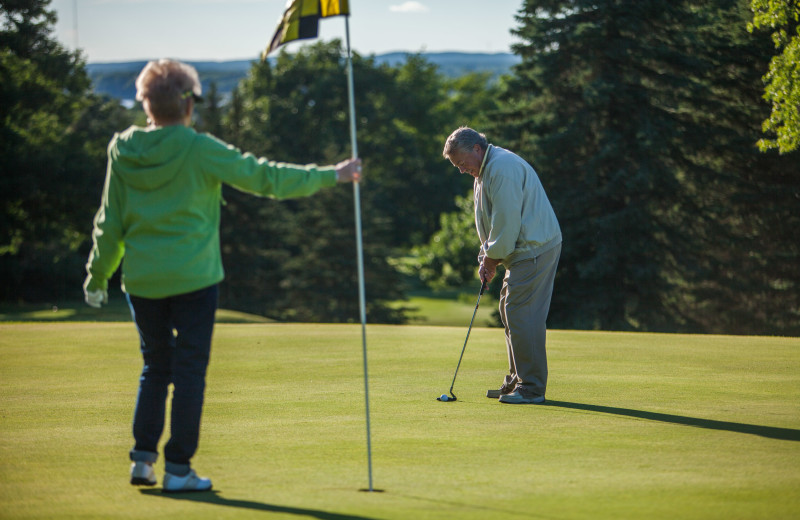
x,y
783,78
209,112
637,115
53,134
295,109
322,275
589,108
404,114
449,259
750,273
304,250
414,116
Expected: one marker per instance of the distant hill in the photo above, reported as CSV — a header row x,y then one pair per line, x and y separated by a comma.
x,y
117,79
455,64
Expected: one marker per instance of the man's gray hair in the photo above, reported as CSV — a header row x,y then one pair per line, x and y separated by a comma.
x,y
464,138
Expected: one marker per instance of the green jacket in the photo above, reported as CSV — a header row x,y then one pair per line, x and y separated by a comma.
x,y
161,207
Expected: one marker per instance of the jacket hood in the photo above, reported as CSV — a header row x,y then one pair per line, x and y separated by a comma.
x,y
148,158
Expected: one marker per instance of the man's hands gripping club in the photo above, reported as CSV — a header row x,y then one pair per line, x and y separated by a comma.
x,y
488,269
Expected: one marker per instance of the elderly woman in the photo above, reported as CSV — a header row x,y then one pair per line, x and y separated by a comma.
x,y
161,210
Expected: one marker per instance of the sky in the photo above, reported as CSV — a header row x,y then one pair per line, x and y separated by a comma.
x,y
221,30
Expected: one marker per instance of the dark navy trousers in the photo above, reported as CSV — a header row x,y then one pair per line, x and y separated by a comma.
x,y
175,334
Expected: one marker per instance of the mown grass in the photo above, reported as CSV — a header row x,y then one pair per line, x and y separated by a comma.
x,y
426,307
636,426
115,311
450,308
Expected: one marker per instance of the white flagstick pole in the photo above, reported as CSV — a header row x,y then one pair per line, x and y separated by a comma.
x,y
359,245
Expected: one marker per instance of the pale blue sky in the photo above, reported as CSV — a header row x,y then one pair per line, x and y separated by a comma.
x,y
126,30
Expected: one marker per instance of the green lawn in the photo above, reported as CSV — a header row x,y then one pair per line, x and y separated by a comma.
x,y
427,307
116,311
639,426
450,308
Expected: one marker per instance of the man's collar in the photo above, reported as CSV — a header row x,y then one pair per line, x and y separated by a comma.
x,y
483,163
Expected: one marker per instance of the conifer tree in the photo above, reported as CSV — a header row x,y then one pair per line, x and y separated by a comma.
x,y
53,136
638,116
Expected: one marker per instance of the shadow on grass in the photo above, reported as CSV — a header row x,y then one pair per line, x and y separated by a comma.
x,y
782,434
212,497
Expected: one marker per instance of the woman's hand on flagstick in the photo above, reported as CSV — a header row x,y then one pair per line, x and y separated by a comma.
x,y
349,170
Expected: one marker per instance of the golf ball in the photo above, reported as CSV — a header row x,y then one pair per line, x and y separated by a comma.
x,y
444,397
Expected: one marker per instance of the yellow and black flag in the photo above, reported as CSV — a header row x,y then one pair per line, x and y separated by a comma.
x,y
300,20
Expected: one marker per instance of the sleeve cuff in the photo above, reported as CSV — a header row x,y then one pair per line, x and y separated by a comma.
x,y
91,284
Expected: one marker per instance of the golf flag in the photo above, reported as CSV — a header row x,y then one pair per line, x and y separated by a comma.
x,y
300,20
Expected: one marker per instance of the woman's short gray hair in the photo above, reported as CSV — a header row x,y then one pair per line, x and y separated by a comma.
x,y
167,85
462,139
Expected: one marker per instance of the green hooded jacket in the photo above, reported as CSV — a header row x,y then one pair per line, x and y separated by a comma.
x,y
161,207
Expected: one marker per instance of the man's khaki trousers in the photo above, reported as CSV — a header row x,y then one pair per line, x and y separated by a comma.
x,y
524,305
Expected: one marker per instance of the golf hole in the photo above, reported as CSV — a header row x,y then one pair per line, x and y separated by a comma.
x,y
365,490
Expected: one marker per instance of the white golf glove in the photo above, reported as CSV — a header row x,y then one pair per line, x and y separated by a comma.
x,y
96,298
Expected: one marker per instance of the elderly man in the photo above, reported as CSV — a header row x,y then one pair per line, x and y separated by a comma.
x,y
518,228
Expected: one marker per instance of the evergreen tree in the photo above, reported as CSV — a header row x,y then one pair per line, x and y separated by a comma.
x,y
747,267
322,275
296,110
304,250
53,133
413,116
209,112
587,109
632,113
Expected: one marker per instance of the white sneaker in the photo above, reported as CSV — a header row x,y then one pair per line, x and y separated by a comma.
x,y
185,484
142,474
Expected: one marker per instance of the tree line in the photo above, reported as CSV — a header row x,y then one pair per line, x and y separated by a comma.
x,y
642,119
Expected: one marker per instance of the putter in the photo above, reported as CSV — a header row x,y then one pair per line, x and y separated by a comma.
x,y
452,397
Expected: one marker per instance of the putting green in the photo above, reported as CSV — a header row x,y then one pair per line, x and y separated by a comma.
x,y
636,426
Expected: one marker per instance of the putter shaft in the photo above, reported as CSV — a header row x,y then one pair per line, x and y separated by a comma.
x,y
483,288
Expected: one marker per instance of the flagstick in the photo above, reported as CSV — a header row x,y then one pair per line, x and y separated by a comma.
x,y
359,245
